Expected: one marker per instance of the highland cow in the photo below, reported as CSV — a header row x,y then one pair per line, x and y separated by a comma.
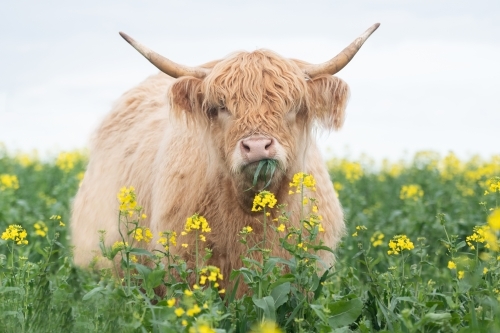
x,y
189,140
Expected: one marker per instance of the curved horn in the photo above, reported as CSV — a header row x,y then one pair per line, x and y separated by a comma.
x,y
165,65
342,59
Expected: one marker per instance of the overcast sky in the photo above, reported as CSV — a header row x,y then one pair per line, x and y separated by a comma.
x,y
427,79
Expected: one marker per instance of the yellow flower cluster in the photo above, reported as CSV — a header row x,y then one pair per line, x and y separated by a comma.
x,y
41,229
399,243
143,234
58,218
166,238
127,200
118,246
494,219
203,328
452,265
482,234
377,238
411,192
313,221
492,185
358,228
196,222
246,230
299,179
66,160
266,327
8,182
212,274
450,166
263,199
16,233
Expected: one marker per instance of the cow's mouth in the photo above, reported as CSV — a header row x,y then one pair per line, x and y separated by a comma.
x,y
261,173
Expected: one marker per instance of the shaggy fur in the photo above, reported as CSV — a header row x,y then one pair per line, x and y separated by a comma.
x,y
177,142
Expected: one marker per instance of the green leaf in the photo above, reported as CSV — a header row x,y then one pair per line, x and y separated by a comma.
x,y
280,294
92,293
267,305
154,279
344,312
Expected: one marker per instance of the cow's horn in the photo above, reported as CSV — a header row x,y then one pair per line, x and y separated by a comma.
x,y
165,65
342,59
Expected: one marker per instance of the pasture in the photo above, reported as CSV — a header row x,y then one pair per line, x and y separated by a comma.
x,y
420,255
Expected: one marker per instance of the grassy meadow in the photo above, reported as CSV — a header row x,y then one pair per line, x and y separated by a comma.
x,y
420,255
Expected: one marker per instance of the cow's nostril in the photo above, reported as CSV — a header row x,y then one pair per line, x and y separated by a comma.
x,y
269,144
246,147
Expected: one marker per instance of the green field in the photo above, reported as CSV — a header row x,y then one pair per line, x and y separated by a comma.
x,y
420,255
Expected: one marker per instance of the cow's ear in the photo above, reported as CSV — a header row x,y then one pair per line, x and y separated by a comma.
x,y
185,96
328,96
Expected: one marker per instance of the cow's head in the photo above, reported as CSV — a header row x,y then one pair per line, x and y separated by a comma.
x,y
259,106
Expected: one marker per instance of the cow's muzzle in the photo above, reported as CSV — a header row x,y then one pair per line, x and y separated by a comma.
x,y
257,147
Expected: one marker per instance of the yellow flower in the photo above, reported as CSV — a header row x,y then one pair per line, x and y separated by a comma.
x,y
41,229
222,291
246,230
266,327
203,328
8,182
184,245
179,312
66,160
400,243
196,222
188,292
460,275
302,179
451,265
61,224
193,311
118,246
184,322
411,192
377,238
482,234
133,258
171,302
281,227
485,270
127,199
262,200
202,238
302,246
494,219
15,233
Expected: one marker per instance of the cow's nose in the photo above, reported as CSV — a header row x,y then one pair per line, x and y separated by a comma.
x,y
257,148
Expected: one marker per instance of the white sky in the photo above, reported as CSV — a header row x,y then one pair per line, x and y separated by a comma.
x,y
427,79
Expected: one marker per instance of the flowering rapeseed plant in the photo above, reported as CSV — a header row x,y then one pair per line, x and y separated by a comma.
x,y
377,238
41,228
399,243
8,182
66,161
411,192
481,235
494,219
15,233
262,200
300,180
127,199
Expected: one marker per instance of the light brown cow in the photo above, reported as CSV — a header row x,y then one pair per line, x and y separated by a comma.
x,y
189,141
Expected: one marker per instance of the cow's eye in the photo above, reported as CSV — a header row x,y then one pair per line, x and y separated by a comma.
x,y
224,111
